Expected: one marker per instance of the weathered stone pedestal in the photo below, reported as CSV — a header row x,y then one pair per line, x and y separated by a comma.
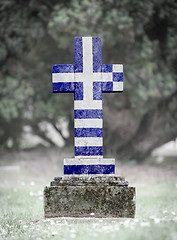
x,y
89,197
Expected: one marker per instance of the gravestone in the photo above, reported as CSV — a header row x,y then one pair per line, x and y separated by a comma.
x,y
89,187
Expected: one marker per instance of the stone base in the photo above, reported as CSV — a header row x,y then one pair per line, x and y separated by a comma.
x,y
106,197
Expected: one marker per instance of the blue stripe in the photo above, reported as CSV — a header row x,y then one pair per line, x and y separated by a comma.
x,y
88,113
63,87
97,56
117,77
107,68
99,87
63,68
78,54
76,87
89,151
89,169
88,132
97,91
78,95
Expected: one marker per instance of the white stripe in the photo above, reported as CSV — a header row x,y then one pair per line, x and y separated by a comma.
x,y
81,77
85,77
87,69
117,68
62,77
106,77
117,86
88,123
88,161
87,55
88,141
84,104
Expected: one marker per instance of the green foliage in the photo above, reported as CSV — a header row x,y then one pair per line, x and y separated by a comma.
x,y
36,34
15,97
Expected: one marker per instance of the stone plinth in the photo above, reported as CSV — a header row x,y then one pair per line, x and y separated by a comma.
x,y
89,197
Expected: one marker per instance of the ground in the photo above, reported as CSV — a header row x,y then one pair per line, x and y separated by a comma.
x,y
24,174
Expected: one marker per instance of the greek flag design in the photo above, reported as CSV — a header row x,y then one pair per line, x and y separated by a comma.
x,y
87,78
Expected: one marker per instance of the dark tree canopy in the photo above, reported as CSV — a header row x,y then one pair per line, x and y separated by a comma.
x,y
140,34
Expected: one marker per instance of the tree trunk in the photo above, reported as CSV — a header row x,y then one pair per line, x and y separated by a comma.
x,y
156,127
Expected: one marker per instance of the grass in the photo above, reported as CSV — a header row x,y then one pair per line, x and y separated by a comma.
x,y
21,216
21,206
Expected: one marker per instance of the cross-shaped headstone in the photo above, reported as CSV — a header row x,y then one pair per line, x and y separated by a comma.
x,y
88,78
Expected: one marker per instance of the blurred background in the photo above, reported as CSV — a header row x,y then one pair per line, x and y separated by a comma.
x,y
140,124
141,35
